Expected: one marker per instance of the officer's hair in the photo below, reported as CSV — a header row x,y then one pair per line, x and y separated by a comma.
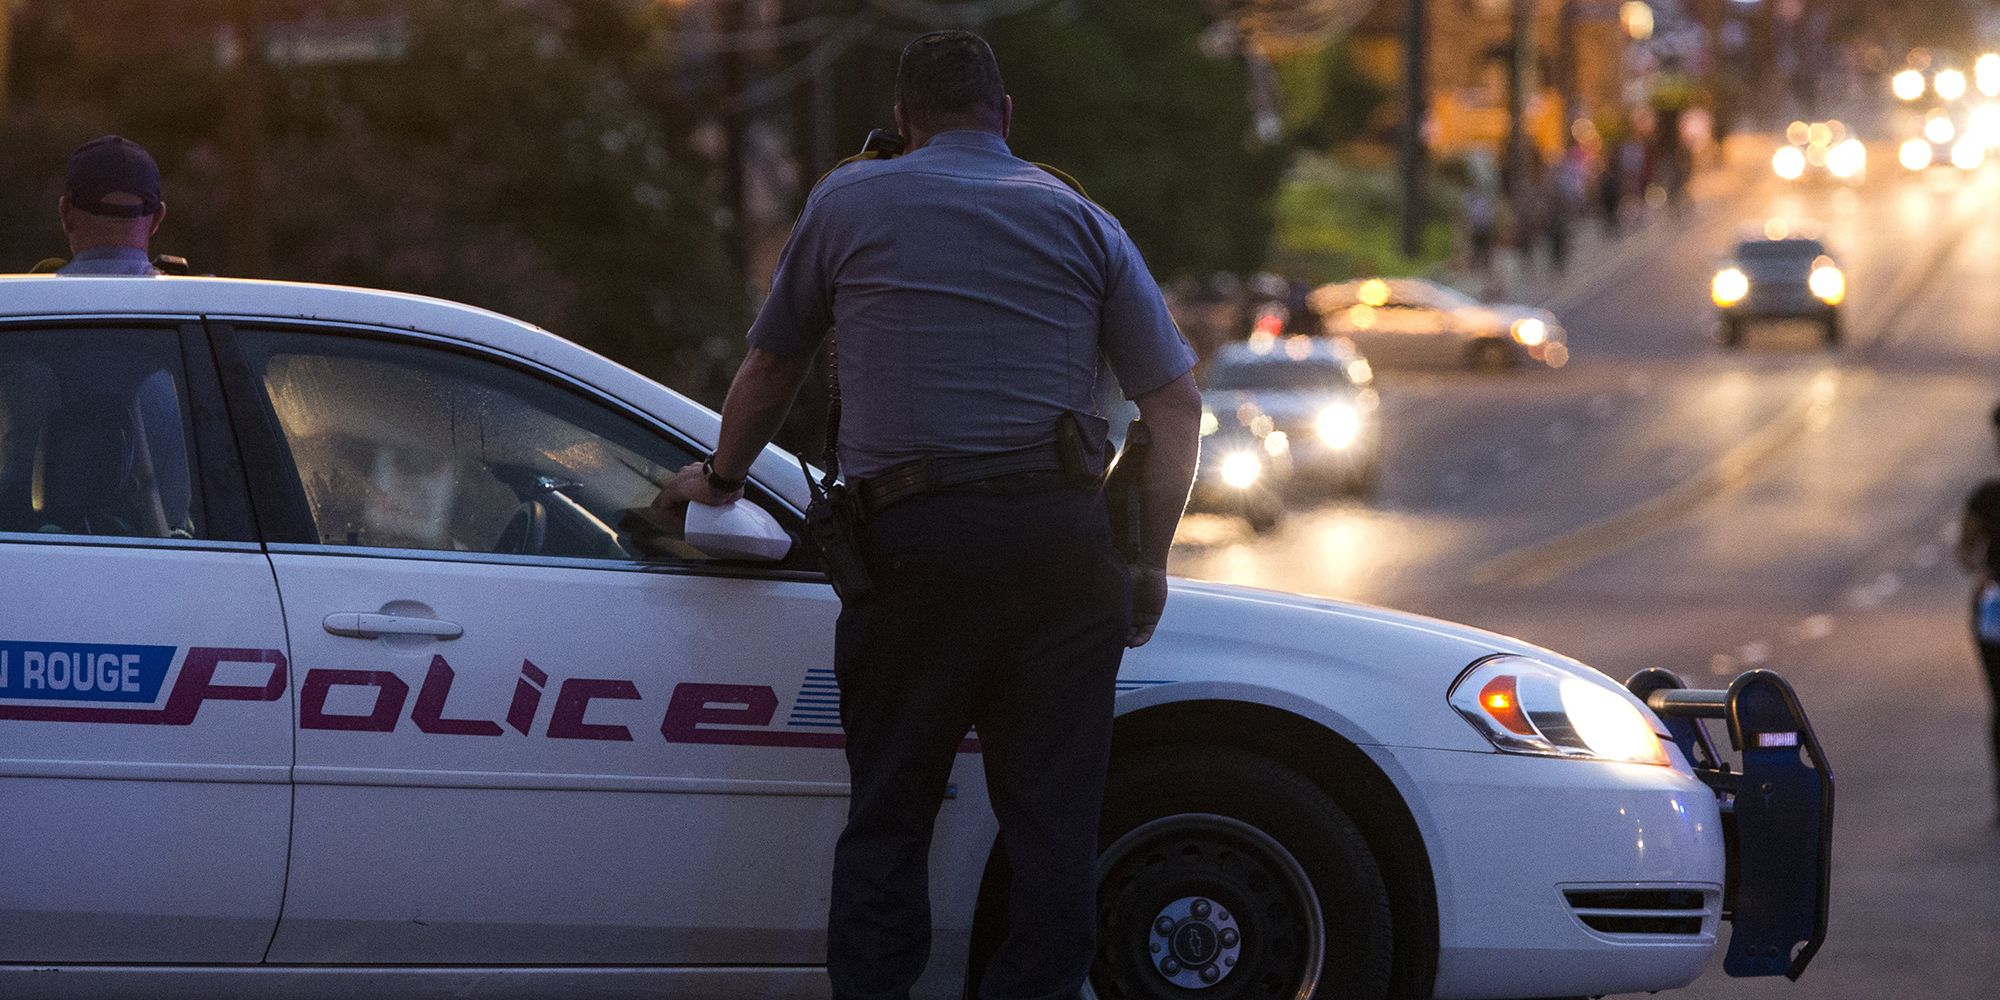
x,y
950,79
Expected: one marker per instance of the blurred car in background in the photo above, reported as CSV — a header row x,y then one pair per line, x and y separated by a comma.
x,y
1959,136
1285,418
1778,275
1817,150
1410,322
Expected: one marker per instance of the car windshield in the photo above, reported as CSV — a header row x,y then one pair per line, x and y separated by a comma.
x,y
1763,251
1277,374
1447,297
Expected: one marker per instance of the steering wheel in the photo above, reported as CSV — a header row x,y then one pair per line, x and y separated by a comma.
x,y
527,531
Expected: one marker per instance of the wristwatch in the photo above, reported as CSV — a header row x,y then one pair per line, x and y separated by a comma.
x,y
715,482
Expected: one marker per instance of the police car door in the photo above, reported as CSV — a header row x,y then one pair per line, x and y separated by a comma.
x,y
145,739
521,740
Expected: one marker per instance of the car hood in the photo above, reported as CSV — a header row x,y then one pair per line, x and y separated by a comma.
x,y
1283,406
1377,675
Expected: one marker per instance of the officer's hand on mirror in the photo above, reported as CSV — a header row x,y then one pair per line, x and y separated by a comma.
x,y
1149,596
691,485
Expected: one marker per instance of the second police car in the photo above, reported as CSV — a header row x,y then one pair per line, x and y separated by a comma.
x,y
334,661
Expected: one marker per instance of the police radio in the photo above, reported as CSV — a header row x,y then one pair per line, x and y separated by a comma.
x,y
881,144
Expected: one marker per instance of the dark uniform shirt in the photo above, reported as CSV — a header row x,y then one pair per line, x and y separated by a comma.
x,y
974,296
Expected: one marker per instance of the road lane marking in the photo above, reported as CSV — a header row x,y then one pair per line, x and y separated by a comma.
x,y
1540,562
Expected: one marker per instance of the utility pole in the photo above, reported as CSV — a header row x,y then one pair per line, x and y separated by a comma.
x,y
735,125
1569,74
1520,162
244,139
1411,158
6,50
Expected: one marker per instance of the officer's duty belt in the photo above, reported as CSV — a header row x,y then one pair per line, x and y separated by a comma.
x,y
931,473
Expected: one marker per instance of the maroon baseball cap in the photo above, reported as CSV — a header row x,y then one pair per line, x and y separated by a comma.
x,y
112,165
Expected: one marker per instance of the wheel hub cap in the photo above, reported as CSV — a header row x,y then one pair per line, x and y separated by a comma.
x,y
1195,942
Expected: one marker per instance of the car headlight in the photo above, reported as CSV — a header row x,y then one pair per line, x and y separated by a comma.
x,y
1939,129
1527,706
1788,163
1339,426
1729,286
1915,154
1949,84
1827,283
1209,424
1847,159
1907,84
1240,469
1531,332
1967,154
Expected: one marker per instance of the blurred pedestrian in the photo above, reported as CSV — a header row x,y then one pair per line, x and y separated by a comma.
x,y
110,209
1482,227
1979,554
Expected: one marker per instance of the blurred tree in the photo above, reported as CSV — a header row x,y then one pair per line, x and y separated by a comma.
x,y
529,158
1124,95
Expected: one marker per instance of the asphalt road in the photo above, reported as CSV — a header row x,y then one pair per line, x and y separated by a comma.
x,y
1661,502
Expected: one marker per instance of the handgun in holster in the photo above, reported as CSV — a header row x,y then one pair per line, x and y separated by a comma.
x,y
833,529
1125,491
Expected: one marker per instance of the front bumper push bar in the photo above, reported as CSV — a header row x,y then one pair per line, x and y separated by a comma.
x,y
1777,812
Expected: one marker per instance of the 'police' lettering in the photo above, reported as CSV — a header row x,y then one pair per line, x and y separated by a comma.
x,y
390,693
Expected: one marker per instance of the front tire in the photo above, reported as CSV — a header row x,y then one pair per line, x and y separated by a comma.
x,y
1491,354
1231,877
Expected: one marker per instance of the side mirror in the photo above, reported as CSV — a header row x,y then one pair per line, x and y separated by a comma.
x,y
741,530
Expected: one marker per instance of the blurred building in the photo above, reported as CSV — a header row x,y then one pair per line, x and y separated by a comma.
x,y
1579,42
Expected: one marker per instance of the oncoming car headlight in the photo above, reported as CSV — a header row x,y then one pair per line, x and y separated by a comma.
x,y
1729,286
1527,706
1530,331
1339,425
1209,424
1826,282
1240,469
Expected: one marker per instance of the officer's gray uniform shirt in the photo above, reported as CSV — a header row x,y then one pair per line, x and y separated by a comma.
x,y
109,261
973,294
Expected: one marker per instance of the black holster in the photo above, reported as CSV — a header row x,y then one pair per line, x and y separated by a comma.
x,y
833,529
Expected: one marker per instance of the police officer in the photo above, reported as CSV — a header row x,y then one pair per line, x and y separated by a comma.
x,y
110,209
973,295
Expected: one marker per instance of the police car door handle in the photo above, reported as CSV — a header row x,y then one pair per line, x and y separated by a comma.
x,y
374,625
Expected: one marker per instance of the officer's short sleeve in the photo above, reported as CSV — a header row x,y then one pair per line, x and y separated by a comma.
x,y
799,312
1141,343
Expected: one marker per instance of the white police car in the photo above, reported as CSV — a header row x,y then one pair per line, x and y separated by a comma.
x,y
331,664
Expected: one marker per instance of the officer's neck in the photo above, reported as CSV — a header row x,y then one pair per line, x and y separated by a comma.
x,y
919,138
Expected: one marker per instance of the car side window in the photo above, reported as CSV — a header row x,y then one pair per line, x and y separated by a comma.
x,y
407,446
94,434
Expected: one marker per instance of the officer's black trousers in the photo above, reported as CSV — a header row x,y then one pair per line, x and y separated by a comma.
x,y
1006,612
